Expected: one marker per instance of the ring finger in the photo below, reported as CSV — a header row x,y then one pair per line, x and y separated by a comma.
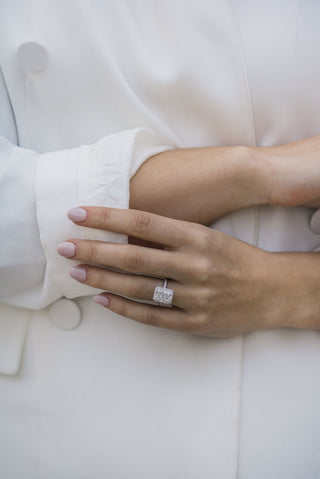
x,y
129,285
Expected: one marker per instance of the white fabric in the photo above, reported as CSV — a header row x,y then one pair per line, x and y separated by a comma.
x,y
113,398
13,327
40,189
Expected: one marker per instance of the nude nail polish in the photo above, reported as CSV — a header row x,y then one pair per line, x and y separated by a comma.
x,y
79,273
77,214
66,249
102,300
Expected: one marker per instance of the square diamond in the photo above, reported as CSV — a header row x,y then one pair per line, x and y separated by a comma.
x,y
163,295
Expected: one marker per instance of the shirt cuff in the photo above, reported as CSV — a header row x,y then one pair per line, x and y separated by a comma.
x,y
91,175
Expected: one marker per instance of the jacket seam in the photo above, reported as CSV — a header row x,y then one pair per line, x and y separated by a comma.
x,y
240,59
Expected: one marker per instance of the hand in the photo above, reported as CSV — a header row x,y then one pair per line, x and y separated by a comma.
x,y
222,286
295,172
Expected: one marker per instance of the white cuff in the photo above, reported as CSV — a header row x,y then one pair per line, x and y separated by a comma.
x,y
93,175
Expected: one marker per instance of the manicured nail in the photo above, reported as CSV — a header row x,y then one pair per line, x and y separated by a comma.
x,y
66,249
79,273
103,300
77,214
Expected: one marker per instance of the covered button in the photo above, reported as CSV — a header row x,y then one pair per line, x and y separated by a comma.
x,y
315,222
32,56
65,314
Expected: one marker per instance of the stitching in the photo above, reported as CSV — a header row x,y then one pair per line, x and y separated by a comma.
x,y
27,113
240,58
11,106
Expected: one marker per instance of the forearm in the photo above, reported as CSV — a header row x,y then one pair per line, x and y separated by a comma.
x,y
295,279
204,184
199,184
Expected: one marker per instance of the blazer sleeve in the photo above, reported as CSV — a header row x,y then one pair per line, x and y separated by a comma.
x,y
36,191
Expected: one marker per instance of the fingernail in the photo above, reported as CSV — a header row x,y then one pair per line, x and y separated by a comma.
x,y
79,273
77,214
66,249
103,300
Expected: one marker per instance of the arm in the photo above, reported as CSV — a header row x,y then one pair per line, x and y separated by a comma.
x,y
200,184
222,286
37,189
204,184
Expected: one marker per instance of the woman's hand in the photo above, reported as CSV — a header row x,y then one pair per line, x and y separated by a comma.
x,y
295,172
222,286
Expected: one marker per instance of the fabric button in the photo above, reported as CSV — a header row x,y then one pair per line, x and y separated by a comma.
x,y
32,57
315,222
65,314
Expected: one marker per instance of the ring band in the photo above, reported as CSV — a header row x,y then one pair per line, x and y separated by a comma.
x,y
163,295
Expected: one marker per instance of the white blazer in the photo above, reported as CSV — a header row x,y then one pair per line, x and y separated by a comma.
x,y
89,90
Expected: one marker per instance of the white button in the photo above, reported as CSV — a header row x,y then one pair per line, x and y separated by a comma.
x,y
315,222
32,56
65,314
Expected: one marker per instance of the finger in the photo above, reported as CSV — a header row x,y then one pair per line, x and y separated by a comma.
x,y
147,244
126,257
169,318
140,224
130,285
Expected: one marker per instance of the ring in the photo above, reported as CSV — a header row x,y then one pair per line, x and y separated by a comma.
x,y
163,295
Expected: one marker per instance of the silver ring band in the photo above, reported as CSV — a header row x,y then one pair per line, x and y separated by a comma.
x,y
163,295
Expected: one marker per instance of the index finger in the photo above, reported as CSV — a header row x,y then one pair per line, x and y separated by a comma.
x,y
140,224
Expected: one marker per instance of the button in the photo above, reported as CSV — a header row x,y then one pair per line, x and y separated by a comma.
x,y
32,57
65,314
315,222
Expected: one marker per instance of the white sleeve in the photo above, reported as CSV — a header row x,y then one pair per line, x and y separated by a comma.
x,y
36,191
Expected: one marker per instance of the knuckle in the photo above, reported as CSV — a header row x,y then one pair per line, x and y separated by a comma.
x,y
151,318
202,322
122,309
140,222
192,234
95,278
91,252
219,241
204,299
202,270
195,323
141,291
203,239
103,217
134,260
102,281
199,236
190,327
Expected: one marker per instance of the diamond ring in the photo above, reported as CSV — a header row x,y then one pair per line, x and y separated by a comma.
x,y
163,295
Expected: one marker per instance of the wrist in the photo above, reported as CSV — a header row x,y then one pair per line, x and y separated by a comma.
x,y
284,182
256,171
274,174
295,285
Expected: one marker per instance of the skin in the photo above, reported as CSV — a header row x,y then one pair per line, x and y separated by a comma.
x,y
216,181
212,183
222,286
